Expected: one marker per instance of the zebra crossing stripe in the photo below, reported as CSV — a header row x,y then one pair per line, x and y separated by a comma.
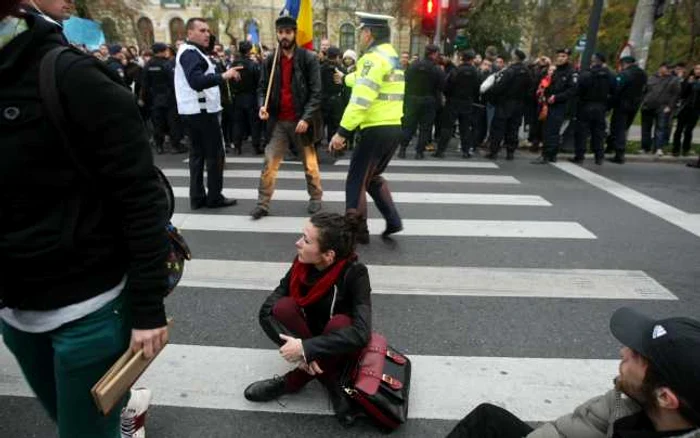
x,y
342,176
442,387
412,227
446,281
399,197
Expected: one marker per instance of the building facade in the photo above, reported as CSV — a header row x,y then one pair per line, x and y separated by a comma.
x,y
164,21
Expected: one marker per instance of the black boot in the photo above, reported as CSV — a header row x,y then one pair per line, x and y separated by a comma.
x,y
402,152
265,390
510,155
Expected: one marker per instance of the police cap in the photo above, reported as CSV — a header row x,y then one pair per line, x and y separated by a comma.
x,y
373,20
286,21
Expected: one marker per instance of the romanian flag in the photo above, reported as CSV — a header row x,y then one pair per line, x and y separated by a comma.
x,y
301,10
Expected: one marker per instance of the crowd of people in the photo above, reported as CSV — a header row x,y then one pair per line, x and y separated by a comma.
x,y
85,270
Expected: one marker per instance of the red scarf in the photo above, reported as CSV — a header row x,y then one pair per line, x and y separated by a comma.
x,y
318,290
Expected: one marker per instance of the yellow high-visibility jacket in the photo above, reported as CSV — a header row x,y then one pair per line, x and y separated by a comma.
x,y
377,91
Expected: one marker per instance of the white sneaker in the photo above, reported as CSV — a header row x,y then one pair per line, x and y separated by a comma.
x,y
133,418
659,153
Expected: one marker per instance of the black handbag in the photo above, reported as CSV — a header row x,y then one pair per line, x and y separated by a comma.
x,y
380,382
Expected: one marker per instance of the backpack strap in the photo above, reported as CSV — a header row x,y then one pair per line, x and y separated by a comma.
x,y
51,102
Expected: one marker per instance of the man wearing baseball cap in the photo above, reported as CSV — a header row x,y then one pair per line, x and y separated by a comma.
x,y
656,394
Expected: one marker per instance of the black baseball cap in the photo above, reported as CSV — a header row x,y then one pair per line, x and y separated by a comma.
x,y
159,47
567,51
286,21
671,344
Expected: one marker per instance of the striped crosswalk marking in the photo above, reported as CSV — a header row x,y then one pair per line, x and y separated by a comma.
x,y
342,176
447,281
412,227
393,163
442,387
400,197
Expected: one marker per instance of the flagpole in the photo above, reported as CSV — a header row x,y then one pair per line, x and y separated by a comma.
x,y
272,76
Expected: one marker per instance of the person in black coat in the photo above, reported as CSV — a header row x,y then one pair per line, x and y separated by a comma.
x,y
83,269
333,94
595,88
461,91
629,91
246,102
688,114
320,314
510,94
424,82
559,95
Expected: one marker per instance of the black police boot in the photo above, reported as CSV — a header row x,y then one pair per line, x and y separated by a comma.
x,y
576,160
402,152
599,160
510,155
617,159
265,390
419,156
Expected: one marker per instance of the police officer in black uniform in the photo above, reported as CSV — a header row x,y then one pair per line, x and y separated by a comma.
x,y
461,91
629,91
509,94
595,87
424,82
116,63
560,96
245,116
333,98
159,96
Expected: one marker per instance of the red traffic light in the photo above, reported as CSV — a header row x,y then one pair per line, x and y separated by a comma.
x,y
429,7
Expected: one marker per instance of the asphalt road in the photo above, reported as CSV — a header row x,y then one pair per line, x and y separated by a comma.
x,y
484,323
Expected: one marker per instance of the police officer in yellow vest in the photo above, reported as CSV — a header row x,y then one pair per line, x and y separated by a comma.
x,y
376,108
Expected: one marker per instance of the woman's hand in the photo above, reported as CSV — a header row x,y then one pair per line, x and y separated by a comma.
x,y
292,350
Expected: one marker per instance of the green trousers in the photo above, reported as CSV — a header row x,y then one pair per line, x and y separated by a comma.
x,y
62,366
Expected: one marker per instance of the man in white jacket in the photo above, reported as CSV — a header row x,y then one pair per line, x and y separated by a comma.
x,y
657,391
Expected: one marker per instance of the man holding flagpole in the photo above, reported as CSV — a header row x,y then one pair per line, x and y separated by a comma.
x,y
290,101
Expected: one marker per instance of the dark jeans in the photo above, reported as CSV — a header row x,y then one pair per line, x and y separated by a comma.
x,y
246,121
418,112
658,120
505,125
462,111
489,421
687,119
590,123
290,315
552,128
207,147
165,121
369,160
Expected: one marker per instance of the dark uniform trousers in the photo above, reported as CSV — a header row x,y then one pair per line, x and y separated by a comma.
x,y
419,112
207,147
552,127
489,421
165,120
370,157
620,122
505,125
460,110
590,122
480,123
246,121
687,119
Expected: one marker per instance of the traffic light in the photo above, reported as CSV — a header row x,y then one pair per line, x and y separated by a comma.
x,y
429,16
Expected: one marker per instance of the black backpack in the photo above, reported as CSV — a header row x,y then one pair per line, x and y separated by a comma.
x,y
51,103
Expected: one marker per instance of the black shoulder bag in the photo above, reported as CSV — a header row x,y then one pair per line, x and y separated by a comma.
x,y
51,102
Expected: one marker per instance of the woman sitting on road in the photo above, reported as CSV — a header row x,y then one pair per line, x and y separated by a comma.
x,y
320,314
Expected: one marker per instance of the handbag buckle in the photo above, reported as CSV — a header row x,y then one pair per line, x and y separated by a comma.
x,y
395,384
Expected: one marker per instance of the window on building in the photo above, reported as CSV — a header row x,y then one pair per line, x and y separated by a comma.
x,y
145,36
320,32
177,30
417,43
347,37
